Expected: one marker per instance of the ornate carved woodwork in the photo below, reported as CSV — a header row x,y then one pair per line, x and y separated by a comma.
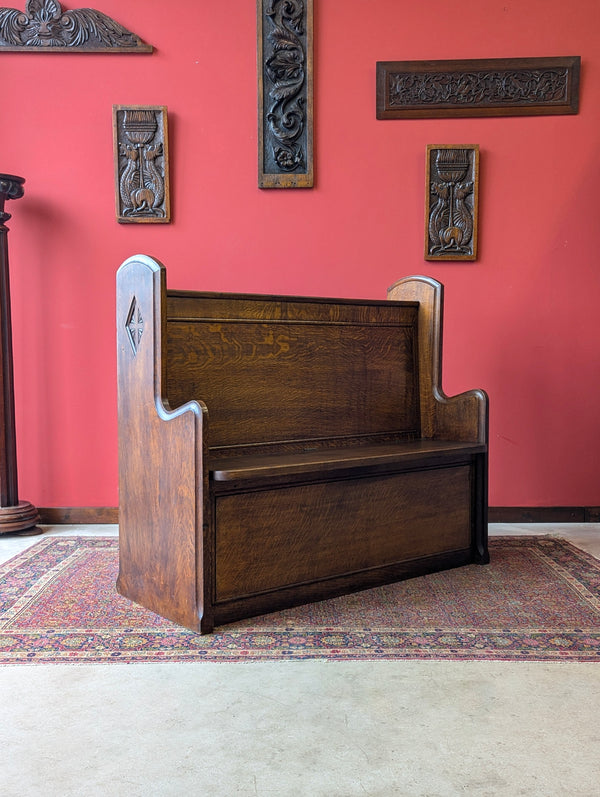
x,y
451,190
481,87
141,154
15,515
45,27
285,93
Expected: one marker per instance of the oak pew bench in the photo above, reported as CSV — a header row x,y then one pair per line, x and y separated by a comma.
x,y
278,450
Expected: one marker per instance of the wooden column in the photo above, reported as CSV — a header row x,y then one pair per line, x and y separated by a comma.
x,y
15,515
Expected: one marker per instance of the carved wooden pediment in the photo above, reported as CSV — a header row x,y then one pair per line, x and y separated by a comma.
x,y
45,27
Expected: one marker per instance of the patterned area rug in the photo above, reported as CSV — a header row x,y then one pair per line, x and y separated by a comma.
x,y
538,600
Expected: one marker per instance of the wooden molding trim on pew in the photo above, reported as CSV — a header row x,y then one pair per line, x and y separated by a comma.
x,y
109,515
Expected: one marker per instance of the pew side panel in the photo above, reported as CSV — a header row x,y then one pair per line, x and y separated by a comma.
x,y
463,417
165,560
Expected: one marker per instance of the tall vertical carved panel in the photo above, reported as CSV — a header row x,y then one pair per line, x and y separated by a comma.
x,y
285,93
452,192
141,156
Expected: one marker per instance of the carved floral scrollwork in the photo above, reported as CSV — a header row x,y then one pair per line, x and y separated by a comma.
x,y
285,69
476,88
45,26
285,92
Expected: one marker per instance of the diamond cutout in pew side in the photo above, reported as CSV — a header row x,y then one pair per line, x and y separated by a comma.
x,y
135,326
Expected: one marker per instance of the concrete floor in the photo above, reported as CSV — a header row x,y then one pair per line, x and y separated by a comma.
x,y
314,729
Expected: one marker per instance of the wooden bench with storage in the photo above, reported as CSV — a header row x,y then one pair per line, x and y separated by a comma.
x,y
277,450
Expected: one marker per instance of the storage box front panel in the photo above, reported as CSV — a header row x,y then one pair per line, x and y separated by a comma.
x,y
267,540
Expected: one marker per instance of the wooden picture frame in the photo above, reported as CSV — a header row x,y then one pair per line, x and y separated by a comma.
x,y
451,201
478,87
285,94
141,158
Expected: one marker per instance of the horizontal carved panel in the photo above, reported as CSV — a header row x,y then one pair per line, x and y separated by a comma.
x,y
483,87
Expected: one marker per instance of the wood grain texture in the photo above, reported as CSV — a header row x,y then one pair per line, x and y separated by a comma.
x,y
403,454
268,540
109,515
79,515
331,462
463,417
160,464
287,380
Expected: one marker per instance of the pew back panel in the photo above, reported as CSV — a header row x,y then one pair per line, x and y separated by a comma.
x,y
299,373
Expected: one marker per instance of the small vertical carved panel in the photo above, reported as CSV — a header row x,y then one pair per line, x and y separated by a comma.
x,y
451,204
285,93
141,154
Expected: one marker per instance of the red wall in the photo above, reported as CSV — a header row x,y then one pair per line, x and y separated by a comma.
x,y
521,322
